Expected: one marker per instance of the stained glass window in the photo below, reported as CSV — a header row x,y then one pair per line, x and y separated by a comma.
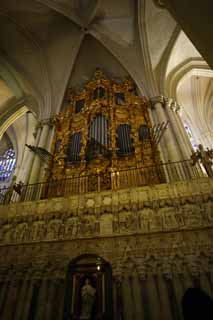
x,y
7,164
190,135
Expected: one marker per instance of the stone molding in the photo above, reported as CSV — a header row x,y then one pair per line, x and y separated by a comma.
x,y
148,231
165,102
143,210
145,256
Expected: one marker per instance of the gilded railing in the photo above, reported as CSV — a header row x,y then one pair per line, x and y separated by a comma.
x,y
113,180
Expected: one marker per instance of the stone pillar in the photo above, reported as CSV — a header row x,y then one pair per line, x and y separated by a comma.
x,y
42,300
137,298
205,284
3,294
186,144
179,292
10,300
187,281
127,299
21,299
168,141
35,172
165,303
60,297
153,299
115,300
52,288
28,299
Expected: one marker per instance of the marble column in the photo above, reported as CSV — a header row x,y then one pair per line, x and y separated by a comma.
x,y
153,299
137,298
179,292
127,299
165,303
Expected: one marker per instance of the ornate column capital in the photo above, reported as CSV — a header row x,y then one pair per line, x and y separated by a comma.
x,y
157,99
174,106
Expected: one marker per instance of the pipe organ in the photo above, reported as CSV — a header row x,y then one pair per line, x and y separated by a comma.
x,y
105,128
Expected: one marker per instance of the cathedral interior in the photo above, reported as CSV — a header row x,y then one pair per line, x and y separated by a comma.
x,y
106,158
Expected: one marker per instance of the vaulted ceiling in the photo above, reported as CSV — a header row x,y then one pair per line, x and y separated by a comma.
x,y
48,45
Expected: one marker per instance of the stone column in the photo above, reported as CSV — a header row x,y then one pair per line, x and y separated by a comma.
x,y
42,300
28,299
3,294
22,299
10,300
115,300
187,281
168,141
205,284
52,288
33,156
179,292
127,299
35,172
137,298
153,299
164,298
60,297
187,147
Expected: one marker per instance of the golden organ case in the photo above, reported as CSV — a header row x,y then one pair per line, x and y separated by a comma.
x,y
105,132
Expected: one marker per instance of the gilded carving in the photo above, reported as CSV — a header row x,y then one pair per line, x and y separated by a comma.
x,y
119,104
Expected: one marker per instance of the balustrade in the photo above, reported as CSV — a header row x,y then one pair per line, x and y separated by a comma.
x,y
115,180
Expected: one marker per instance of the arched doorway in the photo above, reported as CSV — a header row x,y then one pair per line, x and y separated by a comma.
x,y
88,289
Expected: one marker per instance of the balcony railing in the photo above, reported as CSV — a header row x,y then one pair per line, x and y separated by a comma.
x,y
114,180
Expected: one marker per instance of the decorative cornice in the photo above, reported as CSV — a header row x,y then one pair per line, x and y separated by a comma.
x,y
187,207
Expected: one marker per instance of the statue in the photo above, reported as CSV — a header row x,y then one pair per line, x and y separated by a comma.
x,y
205,157
87,300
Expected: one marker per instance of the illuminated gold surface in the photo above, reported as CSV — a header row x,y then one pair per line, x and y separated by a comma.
x,y
134,111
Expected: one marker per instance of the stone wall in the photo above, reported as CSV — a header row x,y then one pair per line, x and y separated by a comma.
x,y
158,240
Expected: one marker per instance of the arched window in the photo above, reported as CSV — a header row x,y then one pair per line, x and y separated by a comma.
x,y
124,141
190,135
74,147
7,164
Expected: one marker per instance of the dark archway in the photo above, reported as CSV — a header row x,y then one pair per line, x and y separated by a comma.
x,y
88,289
